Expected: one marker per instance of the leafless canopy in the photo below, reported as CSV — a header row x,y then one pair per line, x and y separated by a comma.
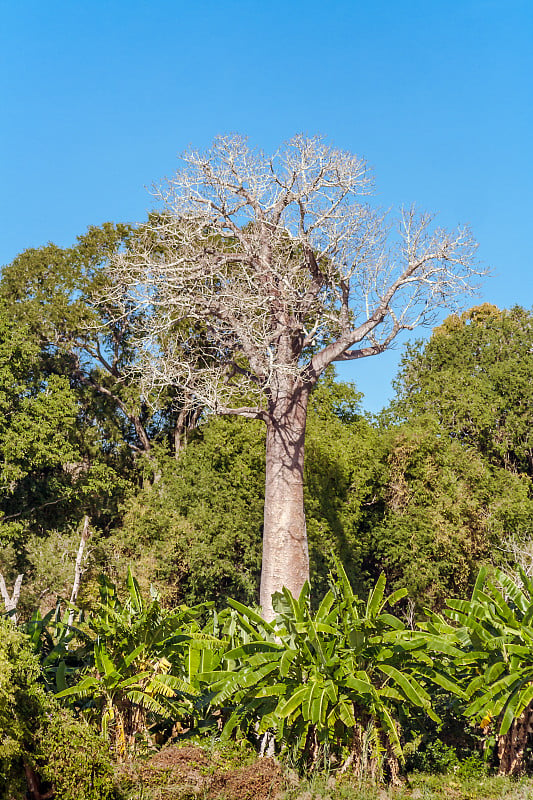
x,y
261,270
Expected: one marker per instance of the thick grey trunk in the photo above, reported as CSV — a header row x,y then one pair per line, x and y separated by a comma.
x,y
285,553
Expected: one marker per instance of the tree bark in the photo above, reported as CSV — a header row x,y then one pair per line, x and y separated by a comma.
x,y
34,784
512,746
285,552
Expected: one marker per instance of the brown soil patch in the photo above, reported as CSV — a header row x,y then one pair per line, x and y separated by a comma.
x,y
181,773
177,759
258,781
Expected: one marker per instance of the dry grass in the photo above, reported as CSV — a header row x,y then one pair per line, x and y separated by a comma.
x,y
196,773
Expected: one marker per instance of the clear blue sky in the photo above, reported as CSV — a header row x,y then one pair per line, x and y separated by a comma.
x,y
98,98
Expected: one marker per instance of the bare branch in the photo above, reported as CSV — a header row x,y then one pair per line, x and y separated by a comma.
x,y
250,412
263,270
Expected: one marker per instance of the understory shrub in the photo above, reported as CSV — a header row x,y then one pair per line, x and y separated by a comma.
x,y
436,758
43,747
22,707
439,758
73,758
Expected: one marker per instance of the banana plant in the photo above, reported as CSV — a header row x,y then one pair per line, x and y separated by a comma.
x,y
496,633
333,682
61,647
122,701
140,669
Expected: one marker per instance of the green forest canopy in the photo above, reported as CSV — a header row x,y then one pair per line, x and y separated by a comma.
x,y
426,492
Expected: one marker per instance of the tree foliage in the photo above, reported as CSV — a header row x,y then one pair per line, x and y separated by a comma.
x,y
475,374
436,510
41,744
404,500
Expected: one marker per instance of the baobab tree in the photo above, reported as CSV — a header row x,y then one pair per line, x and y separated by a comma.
x,y
261,271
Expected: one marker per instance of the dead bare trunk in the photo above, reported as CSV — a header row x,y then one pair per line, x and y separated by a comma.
x,y
11,601
180,433
187,420
285,552
85,533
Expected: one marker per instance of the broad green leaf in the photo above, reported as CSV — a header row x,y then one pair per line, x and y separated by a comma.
x,y
446,683
509,713
136,599
524,700
319,706
344,712
272,690
390,691
324,607
396,596
133,680
287,659
103,663
494,671
439,644
130,658
409,686
287,708
480,580
375,598
82,689
322,627
250,614
360,686
307,702
192,662
61,682
390,619
230,726
248,649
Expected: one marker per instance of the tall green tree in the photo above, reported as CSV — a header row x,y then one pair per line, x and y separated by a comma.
x,y
53,291
475,375
434,510
52,466
66,440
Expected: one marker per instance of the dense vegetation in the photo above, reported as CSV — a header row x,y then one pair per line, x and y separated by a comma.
x,y
402,513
